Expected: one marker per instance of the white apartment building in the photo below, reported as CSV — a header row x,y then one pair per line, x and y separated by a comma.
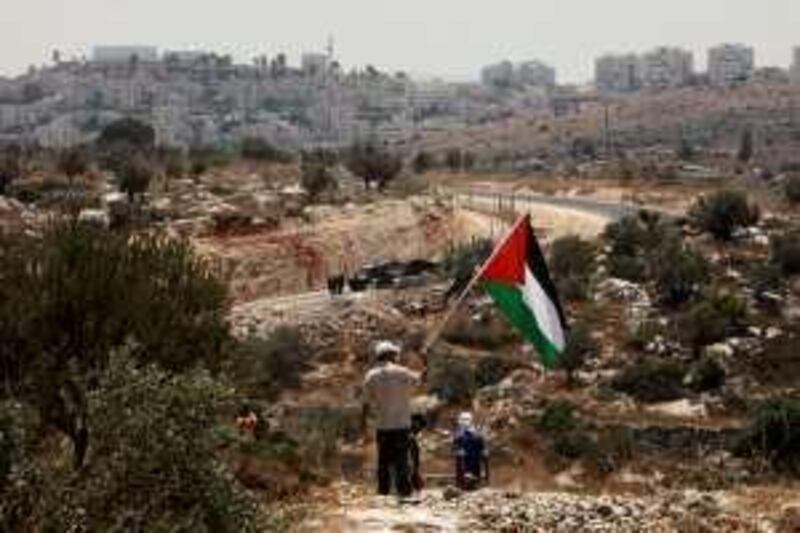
x,y
794,72
729,64
667,67
499,75
536,74
617,73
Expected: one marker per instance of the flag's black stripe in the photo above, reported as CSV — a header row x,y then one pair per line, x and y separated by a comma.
x,y
539,268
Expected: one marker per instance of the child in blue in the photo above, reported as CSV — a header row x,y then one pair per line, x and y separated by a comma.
x,y
471,454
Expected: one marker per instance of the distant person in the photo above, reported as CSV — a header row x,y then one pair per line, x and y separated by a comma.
x,y
471,454
387,389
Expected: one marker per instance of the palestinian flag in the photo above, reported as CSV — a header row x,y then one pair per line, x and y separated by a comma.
x,y
516,278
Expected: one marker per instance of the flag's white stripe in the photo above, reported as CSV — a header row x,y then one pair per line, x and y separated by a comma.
x,y
543,309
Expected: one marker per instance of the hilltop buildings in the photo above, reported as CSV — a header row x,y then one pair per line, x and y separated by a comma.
x,y
730,63
617,73
526,74
667,67
120,54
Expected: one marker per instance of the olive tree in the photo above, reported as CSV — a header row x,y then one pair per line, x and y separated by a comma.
x,y
72,295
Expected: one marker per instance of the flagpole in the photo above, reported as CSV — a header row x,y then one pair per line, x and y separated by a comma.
x,y
440,327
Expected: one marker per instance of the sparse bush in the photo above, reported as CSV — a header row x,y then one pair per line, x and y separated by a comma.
x,y
785,252
491,370
652,380
580,347
679,271
489,333
451,378
635,241
572,445
422,162
774,433
134,175
628,267
792,188
10,168
707,374
718,315
316,178
721,213
268,366
614,447
572,262
558,417
779,365
454,159
258,149
461,261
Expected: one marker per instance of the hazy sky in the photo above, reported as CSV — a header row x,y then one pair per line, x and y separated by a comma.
x,y
450,38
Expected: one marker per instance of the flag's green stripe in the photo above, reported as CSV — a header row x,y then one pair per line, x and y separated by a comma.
x,y
509,299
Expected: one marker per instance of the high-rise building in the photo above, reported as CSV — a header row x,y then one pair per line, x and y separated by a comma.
x,y
536,74
498,75
617,73
794,73
729,64
667,67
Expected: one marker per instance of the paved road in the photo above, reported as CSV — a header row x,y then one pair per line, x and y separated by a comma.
x,y
309,303
591,206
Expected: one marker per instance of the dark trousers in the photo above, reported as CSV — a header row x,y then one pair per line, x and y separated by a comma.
x,y
393,461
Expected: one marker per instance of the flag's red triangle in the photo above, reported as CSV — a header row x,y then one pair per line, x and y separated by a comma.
x,y
507,264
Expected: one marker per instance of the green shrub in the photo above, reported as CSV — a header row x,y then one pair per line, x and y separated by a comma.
x,y
721,213
628,267
785,252
614,447
774,433
316,178
572,445
451,378
580,347
491,370
572,256
572,263
718,315
559,416
153,465
706,374
258,149
779,365
652,380
488,333
78,291
269,366
679,271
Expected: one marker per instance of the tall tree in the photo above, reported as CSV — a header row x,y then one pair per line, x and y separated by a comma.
x,y
74,294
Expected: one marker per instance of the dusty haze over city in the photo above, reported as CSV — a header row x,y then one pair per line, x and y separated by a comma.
x,y
448,38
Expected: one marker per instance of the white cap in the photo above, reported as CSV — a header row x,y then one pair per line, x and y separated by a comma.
x,y
386,347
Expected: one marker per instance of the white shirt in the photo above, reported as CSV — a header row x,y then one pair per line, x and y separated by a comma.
x,y
388,388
